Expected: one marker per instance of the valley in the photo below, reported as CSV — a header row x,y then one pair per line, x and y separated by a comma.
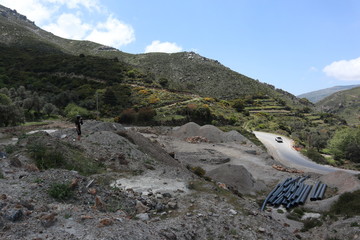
x,y
173,146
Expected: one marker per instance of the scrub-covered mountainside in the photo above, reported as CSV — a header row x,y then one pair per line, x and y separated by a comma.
x,y
179,71
148,171
344,103
318,95
44,76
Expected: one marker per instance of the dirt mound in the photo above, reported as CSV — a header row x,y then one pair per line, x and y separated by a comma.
x,y
233,136
340,180
237,177
210,132
343,181
96,126
89,127
187,130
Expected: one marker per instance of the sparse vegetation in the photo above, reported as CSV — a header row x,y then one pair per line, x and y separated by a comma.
x,y
347,205
9,149
44,157
280,211
311,223
295,214
197,170
156,88
60,191
315,156
61,155
354,224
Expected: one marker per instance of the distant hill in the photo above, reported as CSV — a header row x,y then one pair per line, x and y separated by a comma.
x,y
184,71
344,103
318,95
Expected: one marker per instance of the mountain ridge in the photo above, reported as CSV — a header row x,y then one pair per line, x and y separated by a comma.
x,y
345,103
318,95
183,71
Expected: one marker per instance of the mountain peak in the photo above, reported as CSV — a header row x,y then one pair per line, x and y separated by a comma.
x,y
14,15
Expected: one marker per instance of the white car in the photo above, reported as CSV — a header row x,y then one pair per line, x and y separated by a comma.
x,y
279,139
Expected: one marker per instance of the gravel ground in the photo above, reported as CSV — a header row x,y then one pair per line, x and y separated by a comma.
x,y
158,197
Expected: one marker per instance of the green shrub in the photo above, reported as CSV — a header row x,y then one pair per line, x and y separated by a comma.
x,y
198,171
345,144
45,158
296,214
239,105
146,114
299,211
131,73
354,224
10,149
348,204
60,191
84,165
315,156
163,82
72,110
311,223
127,116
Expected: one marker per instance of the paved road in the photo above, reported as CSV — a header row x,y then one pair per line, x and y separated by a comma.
x,y
284,153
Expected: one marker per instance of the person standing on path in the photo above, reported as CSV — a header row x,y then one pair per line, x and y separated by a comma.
x,y
78,123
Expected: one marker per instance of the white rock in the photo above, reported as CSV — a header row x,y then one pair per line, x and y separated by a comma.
x,y
145,193
310,215
143,216
233,212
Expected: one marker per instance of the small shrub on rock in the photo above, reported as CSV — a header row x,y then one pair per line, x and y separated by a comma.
x,y
311,223
60,191
295,214
45,158
198,171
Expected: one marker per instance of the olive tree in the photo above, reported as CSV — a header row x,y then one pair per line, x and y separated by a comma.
x,y
345,144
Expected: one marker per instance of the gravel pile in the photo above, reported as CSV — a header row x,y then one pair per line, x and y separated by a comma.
x,y
210,132
96,126
158,197
237,178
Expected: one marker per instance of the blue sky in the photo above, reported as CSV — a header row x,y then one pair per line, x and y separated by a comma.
x,y
296,45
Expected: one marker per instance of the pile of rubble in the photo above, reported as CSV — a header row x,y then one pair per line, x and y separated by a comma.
x,y
196,139
283,169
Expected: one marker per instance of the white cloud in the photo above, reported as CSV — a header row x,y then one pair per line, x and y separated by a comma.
x,y
34,10
72,24
71,4
167,47
112,33
346,70
68,26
